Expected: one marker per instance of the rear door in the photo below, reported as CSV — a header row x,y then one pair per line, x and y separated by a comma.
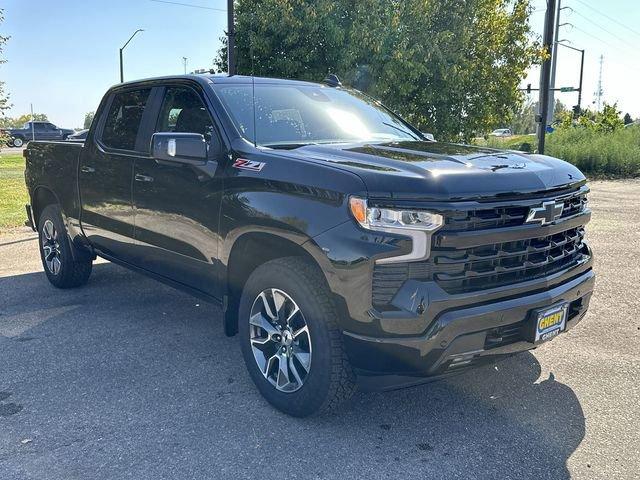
x,y
40,131
106,172
178,204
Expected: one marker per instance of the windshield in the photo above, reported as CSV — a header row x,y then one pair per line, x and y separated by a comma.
x,y
293,115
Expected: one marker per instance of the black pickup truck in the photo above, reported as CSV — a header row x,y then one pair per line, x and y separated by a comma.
x,y
344,247
36,131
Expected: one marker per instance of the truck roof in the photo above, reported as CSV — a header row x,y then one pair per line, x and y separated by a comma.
x,y
221,79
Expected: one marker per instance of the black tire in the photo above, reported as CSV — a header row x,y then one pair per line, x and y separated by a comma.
x,y
330,380
67,272
18,142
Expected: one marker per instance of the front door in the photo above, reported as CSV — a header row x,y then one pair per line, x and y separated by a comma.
x,y
177,205
106,173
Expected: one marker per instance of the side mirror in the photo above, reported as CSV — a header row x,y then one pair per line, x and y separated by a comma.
x,y
190,148
428,136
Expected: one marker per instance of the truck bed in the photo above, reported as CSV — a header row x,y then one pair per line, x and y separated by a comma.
x,y
54,165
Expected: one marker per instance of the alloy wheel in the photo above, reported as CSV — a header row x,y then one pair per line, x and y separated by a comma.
x,y
280,340
51,249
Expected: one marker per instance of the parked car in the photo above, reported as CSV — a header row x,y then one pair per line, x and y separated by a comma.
x,y
501,132
344,248
79,136
39,131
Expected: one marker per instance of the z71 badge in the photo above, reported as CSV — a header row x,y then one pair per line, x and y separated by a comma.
x,y
248,165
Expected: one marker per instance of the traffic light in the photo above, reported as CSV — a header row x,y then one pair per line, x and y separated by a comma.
x,y
528,88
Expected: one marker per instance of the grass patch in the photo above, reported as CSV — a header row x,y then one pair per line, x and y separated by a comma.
x,y
614,154
597,154
524,143
13,192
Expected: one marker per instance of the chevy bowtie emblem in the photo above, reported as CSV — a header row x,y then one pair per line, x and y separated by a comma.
x,y
547,213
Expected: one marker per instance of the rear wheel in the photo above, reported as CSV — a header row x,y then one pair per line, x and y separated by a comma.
x,y
291,343
18,142
56,251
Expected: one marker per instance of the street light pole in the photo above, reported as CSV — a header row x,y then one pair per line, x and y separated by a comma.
x,y
123,47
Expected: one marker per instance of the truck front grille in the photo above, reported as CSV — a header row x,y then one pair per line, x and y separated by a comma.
x,y
461,263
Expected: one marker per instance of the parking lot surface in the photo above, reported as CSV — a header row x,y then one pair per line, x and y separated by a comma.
x,y
128,378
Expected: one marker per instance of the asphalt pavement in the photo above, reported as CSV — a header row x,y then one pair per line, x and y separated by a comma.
x,y
127,378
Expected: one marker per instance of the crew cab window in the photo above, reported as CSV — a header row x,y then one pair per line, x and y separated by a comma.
x,y
124,118
184,111
39,127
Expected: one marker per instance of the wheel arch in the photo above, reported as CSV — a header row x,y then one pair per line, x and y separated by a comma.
x,y
42,197
248,252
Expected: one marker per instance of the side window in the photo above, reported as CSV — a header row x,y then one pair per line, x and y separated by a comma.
x,y
183,111
39,127
123,119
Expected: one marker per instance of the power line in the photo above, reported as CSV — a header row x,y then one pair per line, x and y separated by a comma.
x,y
594,37
610,18
604,29
189,5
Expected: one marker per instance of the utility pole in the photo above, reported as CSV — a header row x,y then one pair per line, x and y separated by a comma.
x,y
599,91
554,61
184,63
231,39
545,74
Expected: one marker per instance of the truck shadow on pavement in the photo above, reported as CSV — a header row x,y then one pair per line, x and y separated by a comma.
x,y
138,378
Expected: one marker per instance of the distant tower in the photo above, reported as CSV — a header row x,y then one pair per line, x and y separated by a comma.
x,y
599,91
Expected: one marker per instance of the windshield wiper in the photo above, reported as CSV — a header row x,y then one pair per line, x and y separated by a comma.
x,y
288,145
398,128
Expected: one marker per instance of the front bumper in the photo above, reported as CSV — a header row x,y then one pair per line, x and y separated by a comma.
x,y
463,336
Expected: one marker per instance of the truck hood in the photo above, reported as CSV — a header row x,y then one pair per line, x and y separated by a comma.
x,y
442,171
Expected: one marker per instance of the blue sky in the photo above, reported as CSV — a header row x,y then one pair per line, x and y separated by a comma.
x,y
63,54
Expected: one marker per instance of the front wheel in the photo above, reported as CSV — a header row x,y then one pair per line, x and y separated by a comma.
x,y
291,343
63,269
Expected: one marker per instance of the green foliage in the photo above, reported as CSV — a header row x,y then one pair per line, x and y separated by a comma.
x,y
18,122
450,67
524,143
524,120
13,192
598,152
88,118
606,121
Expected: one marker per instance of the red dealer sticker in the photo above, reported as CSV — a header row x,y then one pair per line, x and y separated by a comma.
x,y
248,165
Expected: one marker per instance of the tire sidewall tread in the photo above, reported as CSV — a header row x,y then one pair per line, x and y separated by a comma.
x,y
72,273
331,380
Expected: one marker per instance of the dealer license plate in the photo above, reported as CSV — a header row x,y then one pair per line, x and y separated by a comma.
x,y
550,322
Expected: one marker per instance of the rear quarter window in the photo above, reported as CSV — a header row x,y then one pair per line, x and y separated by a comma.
x,y
123,119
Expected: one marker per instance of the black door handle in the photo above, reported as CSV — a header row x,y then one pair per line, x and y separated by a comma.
x,y
87,169
143,178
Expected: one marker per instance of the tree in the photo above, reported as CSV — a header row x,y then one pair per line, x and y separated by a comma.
x,y
605,121
88,118
627,119
18,122
4,98
524,120
450,67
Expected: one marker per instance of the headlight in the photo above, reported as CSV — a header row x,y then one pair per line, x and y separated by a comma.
x,y
417,224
